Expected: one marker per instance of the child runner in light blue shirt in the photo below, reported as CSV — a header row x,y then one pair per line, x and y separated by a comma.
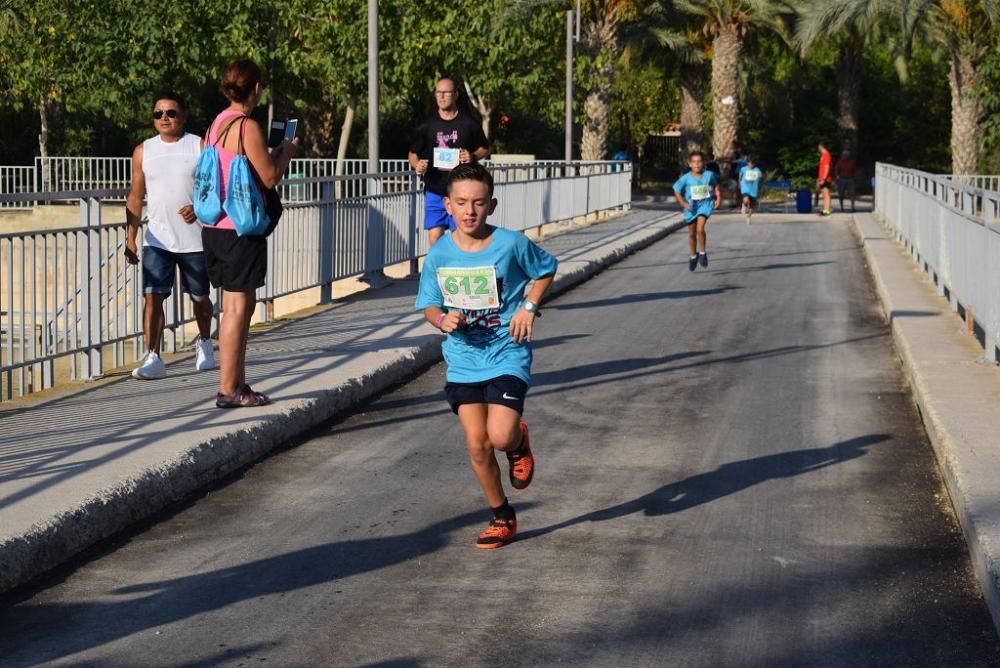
x,y
472,289
699,195
750,178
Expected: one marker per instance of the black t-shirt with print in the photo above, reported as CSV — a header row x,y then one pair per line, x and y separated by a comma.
x,y
460,132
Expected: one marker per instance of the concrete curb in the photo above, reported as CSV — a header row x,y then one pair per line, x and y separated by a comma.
x,y
953,391
112,510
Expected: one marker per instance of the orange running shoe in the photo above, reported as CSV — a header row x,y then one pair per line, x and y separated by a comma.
x,y
497,534
522,462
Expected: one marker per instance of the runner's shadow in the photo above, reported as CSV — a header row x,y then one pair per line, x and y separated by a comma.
x,y
726,480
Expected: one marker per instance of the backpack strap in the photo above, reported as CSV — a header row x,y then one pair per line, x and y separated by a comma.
x,y
243,130
221,138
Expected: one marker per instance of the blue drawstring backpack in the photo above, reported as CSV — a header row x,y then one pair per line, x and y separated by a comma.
x,y
244,204
208,182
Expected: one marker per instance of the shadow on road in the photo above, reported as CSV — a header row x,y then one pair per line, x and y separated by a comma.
x,y
56,630
647,297
723,481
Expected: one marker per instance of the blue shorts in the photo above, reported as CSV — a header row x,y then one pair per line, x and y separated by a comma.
x,y
435,215
159,268
691,215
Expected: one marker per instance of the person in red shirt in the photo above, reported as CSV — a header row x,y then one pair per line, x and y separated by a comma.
x,y
825,180
844,171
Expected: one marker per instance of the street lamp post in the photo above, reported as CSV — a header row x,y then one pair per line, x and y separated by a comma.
x,y
374,232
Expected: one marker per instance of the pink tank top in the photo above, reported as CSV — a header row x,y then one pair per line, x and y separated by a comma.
x,y
225,157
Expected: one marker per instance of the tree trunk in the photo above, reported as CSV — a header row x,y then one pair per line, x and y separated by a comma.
x,y
966,112
484,107
43,144
345,137
692,77
726,49
601,42
849,69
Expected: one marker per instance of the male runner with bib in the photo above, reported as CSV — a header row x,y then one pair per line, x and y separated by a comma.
x,y
697,191
472,288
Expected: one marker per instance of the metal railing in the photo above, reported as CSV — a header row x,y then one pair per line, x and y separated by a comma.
x,y
15,181
988,182
71,307
952,229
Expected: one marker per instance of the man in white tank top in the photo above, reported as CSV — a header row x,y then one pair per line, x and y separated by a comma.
x,y
163,175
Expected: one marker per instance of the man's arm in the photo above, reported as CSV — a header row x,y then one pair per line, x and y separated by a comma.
x,y
133,206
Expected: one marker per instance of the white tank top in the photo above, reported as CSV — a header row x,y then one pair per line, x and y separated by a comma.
x,y
169,172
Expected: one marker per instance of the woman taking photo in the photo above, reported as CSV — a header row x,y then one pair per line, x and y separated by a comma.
x,y
239,264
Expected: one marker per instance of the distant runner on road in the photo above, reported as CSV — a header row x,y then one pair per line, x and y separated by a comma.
x,y
447,138
472,289
750,178
698,193
163,174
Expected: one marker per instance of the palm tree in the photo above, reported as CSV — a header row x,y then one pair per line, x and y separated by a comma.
x,y
669,29
727,23
966,29
850,23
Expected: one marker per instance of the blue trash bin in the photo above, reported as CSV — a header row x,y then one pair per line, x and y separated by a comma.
x,y
804,201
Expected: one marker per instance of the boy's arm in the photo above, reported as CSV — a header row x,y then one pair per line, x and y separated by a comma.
x,y
718,196
680,200
522,324
446,321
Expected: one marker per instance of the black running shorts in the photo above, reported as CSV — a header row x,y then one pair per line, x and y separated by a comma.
x,y
506,391
234,263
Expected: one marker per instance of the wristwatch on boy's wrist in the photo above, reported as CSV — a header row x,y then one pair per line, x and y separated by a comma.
x,y
530,306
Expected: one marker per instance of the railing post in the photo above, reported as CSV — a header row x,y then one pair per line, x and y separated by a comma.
x,y
374,235
413,234
90,220
327,210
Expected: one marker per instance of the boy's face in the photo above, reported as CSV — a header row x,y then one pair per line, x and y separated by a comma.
x,y
696,163
470,204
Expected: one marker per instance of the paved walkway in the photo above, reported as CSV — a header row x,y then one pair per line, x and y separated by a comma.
x,y
76,469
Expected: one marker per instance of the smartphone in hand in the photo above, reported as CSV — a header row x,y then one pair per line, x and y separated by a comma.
x,y
290,128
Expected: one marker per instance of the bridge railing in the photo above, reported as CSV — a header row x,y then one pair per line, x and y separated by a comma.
x,y
71,307
951,226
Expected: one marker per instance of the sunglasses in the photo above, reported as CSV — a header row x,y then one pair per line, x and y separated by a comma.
x,y
171,113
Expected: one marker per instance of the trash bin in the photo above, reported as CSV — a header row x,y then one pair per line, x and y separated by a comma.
x,y
804,201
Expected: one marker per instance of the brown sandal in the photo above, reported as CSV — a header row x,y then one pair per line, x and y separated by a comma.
x,y
245,397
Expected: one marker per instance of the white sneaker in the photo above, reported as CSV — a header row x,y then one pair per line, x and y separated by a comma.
x,y
205,358
151,368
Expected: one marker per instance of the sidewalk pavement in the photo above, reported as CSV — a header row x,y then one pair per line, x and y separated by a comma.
x,y
77,469
957,392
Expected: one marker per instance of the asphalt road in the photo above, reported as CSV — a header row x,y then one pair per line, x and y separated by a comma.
x,y
730,473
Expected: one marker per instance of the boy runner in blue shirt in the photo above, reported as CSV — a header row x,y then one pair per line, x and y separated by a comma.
x,y
750,177
698,193
472,289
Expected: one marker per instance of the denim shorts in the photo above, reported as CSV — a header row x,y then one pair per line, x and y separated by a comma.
x,y
159,268
435,215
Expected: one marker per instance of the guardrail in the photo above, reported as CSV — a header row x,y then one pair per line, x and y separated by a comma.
x,y
988,182
14,181
71,307
952,229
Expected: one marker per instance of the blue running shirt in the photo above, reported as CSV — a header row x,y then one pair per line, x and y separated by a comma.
x,y
483,349
750,181
699,191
